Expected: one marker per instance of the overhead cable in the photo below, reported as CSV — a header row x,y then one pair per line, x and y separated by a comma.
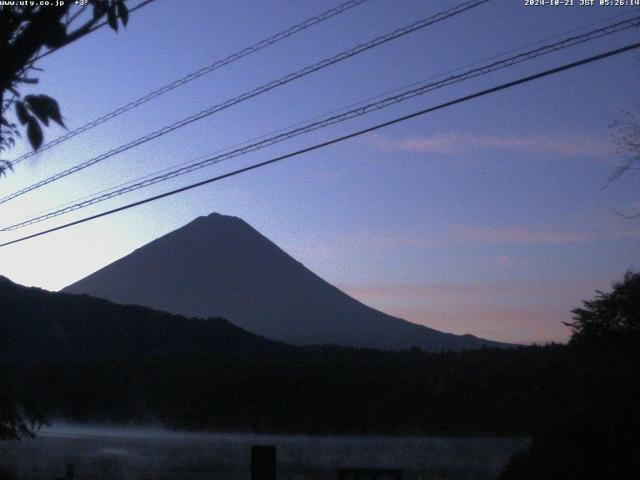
x,y
333,141
194,75
331,120
253,93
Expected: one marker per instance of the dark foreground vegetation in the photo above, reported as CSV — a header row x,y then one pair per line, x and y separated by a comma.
x,y
578,402
596,435
320,390
579,406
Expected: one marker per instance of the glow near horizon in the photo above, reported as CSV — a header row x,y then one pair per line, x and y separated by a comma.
x,y
486,218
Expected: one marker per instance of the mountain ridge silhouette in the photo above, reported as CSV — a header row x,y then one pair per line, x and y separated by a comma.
x,y
39,326
220,266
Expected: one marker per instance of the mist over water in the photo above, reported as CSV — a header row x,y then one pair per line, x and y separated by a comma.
x,y
122,453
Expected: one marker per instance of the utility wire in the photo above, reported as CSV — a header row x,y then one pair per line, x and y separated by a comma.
x,y
195,165
192,76
335,111
357,112
318,146
257,91
55,49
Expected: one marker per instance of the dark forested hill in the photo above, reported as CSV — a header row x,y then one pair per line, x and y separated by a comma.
x,y
220,266
88,360
37,325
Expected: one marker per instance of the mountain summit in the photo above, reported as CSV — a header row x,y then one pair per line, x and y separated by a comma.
x,y
220,266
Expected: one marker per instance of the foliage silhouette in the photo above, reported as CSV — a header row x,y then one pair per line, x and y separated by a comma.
x,y
6,475
99,361
26,29
598,433
18,417
91,360
611,318
627,141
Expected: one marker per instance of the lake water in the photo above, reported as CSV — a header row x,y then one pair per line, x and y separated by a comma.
x,y
149,454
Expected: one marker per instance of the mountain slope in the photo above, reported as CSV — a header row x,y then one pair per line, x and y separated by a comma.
x,y
39,326
220,266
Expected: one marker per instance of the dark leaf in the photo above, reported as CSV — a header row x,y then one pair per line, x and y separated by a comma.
x,y
38,108
55,35
34,133
99,8
54,113
22,113
5,166
123,12
45,108
53,110
112,18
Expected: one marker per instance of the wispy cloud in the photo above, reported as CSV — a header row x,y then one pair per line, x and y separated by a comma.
x,y
564,145
519,235
479,292
518,311
505,260
507,324
455,235
329,252
532,235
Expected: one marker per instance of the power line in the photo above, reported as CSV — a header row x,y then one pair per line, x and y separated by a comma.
x,y
167,174
194,75
257,91
335,111
55,49
318,146
194,165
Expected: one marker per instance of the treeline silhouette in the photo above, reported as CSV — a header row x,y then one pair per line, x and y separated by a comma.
x,y
38,326
334,390
599,435
87,360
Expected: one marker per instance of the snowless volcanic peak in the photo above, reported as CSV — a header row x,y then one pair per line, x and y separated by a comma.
x,y
219,266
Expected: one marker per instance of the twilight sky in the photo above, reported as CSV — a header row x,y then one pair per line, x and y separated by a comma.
x,y
486,218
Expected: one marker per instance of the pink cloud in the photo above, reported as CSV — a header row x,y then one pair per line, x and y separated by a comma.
x,y
519,311
479,292
335,246
411,292
505,260
536,235
517,325
565,145
482,234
